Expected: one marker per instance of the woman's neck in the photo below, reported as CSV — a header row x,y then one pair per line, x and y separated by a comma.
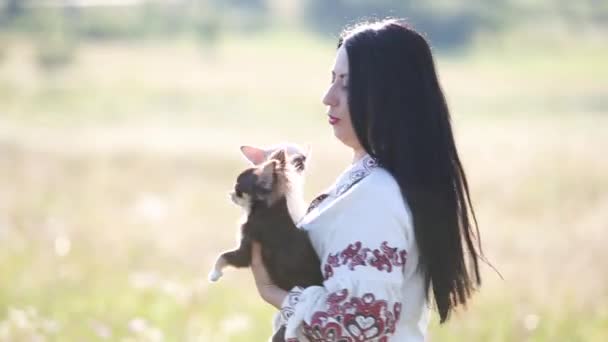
x,y
358,154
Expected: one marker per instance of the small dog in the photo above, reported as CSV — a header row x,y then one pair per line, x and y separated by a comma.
x,y
266,191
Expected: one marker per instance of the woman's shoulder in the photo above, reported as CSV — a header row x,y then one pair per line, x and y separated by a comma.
x,y
381,191
379,182
375,194
373,202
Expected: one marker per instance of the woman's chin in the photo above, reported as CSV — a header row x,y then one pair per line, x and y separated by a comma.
x,y
341,138
339,135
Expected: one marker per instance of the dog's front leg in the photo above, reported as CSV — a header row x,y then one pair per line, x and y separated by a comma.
x,y
240,257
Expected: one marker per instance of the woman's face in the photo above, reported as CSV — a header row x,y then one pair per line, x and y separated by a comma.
x,y
336,100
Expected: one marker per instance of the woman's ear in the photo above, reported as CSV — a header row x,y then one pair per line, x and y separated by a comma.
x,y
254,155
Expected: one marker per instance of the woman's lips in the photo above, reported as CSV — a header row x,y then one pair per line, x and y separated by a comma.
x,y
333,120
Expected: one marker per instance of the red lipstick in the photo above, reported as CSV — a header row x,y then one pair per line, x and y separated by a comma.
x,y
333,120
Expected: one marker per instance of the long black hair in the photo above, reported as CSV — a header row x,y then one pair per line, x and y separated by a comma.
x,y
401,118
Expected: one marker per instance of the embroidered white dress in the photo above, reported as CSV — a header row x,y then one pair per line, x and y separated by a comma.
x,y
372,290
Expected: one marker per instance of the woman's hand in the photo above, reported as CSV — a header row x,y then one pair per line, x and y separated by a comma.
x,y
266,288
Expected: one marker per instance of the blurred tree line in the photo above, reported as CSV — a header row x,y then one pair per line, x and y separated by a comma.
x,y
58,25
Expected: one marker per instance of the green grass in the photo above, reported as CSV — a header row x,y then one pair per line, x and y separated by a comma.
x,y
114,174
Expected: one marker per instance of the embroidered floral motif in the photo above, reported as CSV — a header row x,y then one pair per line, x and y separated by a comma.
x,y
356,174
293,297
383,259
353,319
370,162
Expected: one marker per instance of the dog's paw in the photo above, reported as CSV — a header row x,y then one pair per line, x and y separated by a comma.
x,y
215,275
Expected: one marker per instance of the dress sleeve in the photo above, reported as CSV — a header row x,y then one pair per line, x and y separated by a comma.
x,y
363,262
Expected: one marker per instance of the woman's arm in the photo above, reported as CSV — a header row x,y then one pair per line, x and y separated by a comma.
x,y
266,288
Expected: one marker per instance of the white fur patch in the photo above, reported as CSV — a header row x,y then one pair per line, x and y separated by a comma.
x,y
216,273
243,201
295,197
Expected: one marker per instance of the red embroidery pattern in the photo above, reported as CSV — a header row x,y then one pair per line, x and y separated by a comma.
x,y
353,319
384,259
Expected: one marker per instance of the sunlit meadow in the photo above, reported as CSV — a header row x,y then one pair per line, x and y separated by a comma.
x,y
114,174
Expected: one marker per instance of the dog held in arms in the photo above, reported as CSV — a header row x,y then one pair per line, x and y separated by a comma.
x,y
269,192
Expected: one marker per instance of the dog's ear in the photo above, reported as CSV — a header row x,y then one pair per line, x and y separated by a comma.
x,y
253,154
280,156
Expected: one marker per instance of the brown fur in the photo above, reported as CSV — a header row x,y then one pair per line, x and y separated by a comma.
x,y
287,252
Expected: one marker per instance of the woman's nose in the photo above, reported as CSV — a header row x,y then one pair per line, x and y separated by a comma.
x,y
330,98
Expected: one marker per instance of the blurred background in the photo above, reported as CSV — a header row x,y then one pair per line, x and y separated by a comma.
x,y
120,122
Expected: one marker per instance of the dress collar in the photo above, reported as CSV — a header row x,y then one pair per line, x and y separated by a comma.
x,y
353,174
349,177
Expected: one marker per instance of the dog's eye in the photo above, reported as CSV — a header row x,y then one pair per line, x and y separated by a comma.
x,y
237,191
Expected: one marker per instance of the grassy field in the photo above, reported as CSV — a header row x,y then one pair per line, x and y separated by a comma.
x,y
114,175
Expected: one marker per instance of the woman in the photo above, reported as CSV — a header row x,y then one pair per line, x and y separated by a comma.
x,y
395,230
